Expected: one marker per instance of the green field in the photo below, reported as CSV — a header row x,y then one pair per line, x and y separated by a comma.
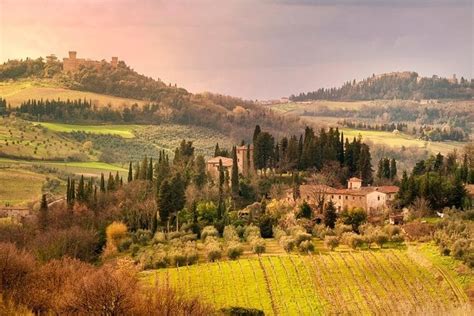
x,y
398,140
18,187
383,282
125,131
19,91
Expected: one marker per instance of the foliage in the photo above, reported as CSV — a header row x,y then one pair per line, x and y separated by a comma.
x,y
331,242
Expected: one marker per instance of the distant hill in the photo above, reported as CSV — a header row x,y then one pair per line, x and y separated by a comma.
x,y
396,85
162,102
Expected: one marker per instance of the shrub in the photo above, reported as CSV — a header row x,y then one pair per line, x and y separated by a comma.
x,y
381,238
288,243
230,233
188,237
115,232
159,238
459,248
125,244
234,250
251,232
300,237
214,252
278,233
306,246
331,242
142,237
341,229
258,245
192,255
241,311
321,231
209,231
352,240
178,258
398,239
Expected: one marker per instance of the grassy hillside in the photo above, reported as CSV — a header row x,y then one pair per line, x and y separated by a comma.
x,y
23,139
19,91
348,282
298,108
400,139
125,131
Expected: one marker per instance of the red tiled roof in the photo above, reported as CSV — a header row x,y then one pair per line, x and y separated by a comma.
x,y
226,162
388,189
306,189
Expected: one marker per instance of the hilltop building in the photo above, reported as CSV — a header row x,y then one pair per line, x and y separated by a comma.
x,y
371,199
73,63
212,166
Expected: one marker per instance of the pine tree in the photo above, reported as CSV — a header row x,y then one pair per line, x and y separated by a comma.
x,y
130,173
43,215
235,173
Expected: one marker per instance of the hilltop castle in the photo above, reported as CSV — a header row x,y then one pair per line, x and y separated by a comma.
x,y
73,63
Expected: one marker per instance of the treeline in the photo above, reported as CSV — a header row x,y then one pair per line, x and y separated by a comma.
x,y
236,123
437,182
313,151
405,86
375,127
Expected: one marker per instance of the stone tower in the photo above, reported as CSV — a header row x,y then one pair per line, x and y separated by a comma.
x,y
245,159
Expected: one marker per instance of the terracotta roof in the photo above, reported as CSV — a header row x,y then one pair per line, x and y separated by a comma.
x,y
307,189
355,179
226,162
470,189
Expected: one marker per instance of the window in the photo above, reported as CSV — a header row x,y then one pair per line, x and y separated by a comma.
x,y
339,197
332,196
378,197
347,197
353,198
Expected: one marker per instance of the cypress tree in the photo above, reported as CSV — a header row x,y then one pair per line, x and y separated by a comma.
x,y
220,206
130,173
164,201
117,180
365,165
386,168
73,190
235,173
144,169
217,151
81,195
102,183
43,216
149,172
137,171
330,215
256,132
68,191
110,183
393,169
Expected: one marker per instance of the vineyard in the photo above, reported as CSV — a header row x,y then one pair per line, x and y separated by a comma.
x,y
347,282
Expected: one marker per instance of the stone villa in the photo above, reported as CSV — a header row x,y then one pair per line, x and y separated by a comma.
x,y
371,199
244,162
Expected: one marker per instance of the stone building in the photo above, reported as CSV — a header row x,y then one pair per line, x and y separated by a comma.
x,y
245,159
73,63
212,166
371,199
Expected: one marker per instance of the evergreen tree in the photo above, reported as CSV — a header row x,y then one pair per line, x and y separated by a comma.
x,y
137,172
200,172
438,164
110,183
81,195
380,169
43,214
143,169
263,150
102,183
393,169
458,192
256,132
217,150
149,172
365,165
305,210
386,168
178,194
130,173
330,215
117,180
165,203
68,191
220,205
235,173
73,190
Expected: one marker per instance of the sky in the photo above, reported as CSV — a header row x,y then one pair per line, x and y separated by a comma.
x,y
252,49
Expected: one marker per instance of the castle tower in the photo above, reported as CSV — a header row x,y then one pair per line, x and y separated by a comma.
x,y
354,183
245,159
72,54
114,62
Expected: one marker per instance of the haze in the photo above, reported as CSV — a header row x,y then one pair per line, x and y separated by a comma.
x,y
251,49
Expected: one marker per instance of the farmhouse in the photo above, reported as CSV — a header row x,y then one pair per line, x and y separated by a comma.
x,y
244,162
371,199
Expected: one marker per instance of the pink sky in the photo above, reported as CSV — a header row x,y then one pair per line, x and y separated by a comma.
x,y
252,49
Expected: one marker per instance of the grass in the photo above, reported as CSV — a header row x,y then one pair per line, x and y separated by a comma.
x,y
299,107
125,131
18,187
19,138
398,140
19,91
379,281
